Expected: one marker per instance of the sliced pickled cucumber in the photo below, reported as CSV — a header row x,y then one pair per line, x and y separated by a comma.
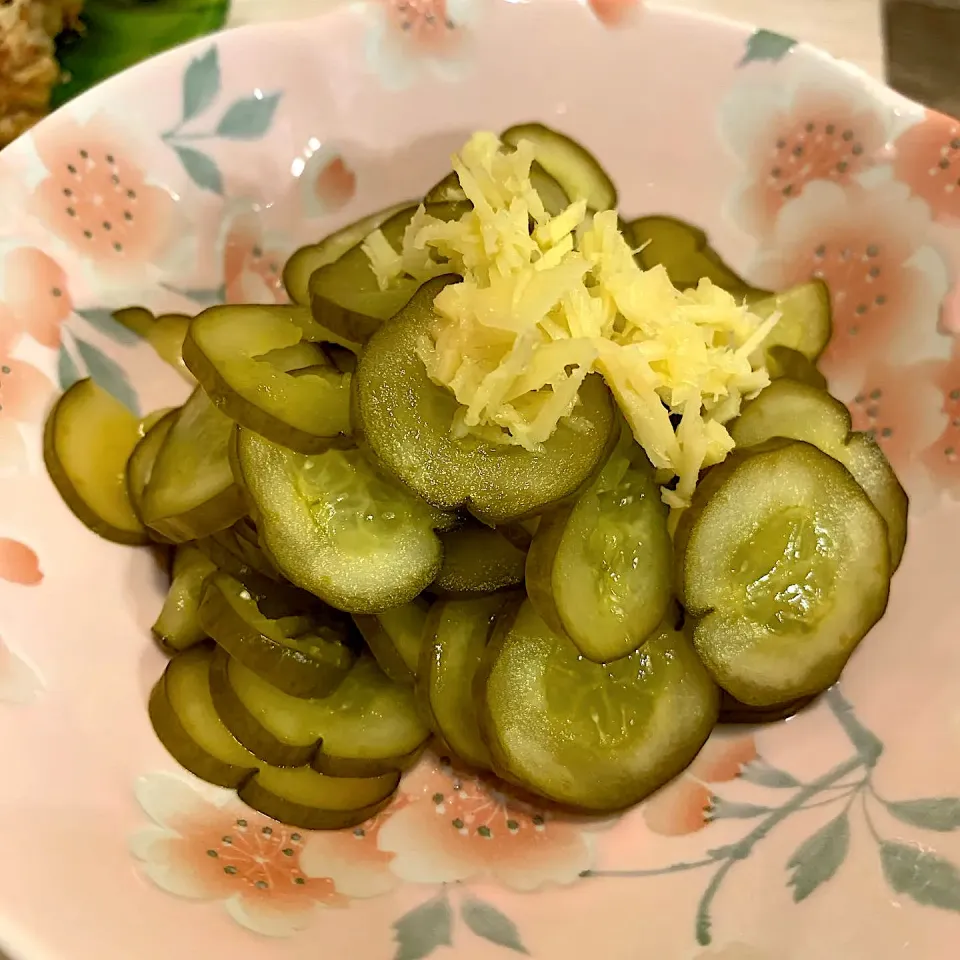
x,y
685,253
332,525
805,323
574,168
187,724
734,712
786,564
299,356
456,634
395,637
787,363
164,333
600,571
225,350
242,558
191,492
555,201
144,455
304,798
478,560
368,727
178,625
302,657
405,421
594,736
346,296
302,263
520,532
88,439
797,411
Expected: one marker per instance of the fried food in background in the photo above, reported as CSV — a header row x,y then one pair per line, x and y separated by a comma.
x,y
28,66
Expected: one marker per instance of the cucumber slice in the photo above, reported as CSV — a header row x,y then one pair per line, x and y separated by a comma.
x,y
520,533
368,727
576,170
734,712
178,625
456,634
787,363
478,560
600,571
299,356
164,333
228,350
240,557
599,737
685,253
787,565
335,527
186,722
191,492
303,262
346,296
405,420
301,657
805,323
395,637
88,439
304,798
555,201
143,457
797,411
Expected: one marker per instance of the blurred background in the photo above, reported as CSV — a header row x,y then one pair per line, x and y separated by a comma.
x,y
51,50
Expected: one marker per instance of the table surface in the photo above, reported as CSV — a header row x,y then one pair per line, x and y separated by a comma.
x,y
849,29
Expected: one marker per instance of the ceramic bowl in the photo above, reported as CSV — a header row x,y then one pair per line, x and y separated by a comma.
x,y
187,181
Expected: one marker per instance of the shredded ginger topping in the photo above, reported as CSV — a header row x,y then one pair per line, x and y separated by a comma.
x,y
546,300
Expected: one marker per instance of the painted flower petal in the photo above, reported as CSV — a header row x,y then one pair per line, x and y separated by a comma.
x,y
18,563
271,919
927,157
722,758
334,185
13,451
19,682
174,802
615,13
35,289
678,808
24,391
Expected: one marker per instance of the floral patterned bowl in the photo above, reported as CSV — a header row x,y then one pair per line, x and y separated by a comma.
x,y
187,181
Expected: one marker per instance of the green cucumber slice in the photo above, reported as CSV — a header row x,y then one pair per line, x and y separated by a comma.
x,y
554,199
368,727
805,323
405,421
299,655
346,296
797,411
178,625
395,637
478,560
191,492
332,525
598,737
303,262
144,455
228,349
600,571
574,168
456,634
786,564
88,439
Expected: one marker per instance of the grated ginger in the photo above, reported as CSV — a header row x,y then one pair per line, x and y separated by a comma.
x,y
545,301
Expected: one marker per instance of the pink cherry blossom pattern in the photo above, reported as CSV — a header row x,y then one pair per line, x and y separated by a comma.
x,y
870,246
205,844
18,563
927,159
252,271
683,805
24,392
457,827
96,198
335,184
615,13
787,136
36,295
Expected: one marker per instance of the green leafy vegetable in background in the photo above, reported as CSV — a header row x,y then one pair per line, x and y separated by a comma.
x,y
119,33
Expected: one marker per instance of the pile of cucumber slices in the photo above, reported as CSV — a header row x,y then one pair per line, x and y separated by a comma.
x,y
350,577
